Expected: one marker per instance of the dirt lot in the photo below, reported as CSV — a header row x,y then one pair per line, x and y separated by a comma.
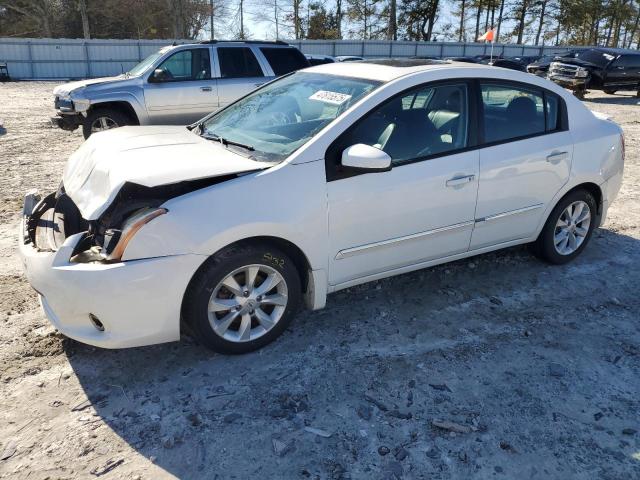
x,y
539,366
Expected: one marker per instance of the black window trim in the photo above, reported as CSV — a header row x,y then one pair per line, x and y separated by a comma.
x,y
562,123
475,139
263,72
262,49
332,167
211,77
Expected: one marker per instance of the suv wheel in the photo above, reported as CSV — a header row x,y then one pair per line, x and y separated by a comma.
x,y
242,298
102,119
568,228
610,92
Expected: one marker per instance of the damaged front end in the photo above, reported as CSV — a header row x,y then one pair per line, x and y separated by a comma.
x,y
56,217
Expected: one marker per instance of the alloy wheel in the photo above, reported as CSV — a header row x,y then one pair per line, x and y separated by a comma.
x,y
103,123
572,228
248,303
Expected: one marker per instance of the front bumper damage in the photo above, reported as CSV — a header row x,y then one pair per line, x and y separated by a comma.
x,y
68,114
67,121
135,302
569,82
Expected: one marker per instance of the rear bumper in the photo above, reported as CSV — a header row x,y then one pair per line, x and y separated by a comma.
x,y
138,301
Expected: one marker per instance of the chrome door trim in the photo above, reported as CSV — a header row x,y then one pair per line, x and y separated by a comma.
x,y
349,252
509,213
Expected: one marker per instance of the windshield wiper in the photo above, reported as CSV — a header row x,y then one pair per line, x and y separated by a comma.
x,y
225,142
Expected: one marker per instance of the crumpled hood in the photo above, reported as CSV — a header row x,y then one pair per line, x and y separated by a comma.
x,y
147,156
578,62
66,88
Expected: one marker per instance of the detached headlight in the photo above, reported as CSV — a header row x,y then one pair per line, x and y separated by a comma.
x,y
582,73
64,104
116,241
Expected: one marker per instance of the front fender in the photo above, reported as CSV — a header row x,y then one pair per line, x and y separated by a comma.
x,y
286,202
135,99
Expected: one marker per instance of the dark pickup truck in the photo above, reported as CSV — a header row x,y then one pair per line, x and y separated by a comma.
x,y
607,69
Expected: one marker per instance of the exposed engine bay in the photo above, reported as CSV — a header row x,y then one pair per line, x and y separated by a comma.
x,y
56,217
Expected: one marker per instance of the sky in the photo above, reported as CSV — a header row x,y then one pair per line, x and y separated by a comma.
x,y
262,29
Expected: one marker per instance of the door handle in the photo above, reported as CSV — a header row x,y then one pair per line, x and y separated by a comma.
x,y
556,157
460,180
205,89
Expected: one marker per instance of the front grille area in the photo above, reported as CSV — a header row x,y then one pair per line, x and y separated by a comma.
x,y
563,69
54,219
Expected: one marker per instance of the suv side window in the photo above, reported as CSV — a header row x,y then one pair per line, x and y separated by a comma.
x,y
512,112
284,60
238,62
187,65
627,61
423,122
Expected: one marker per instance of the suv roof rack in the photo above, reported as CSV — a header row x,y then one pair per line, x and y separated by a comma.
x,y
272,42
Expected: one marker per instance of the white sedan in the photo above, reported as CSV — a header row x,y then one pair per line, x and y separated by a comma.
x,y
326,178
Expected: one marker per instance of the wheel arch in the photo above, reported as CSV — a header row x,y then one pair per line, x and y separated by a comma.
x,y
122,106
301,262
594,190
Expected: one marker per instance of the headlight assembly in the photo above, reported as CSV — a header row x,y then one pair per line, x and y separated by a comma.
x,y
116,240
582,73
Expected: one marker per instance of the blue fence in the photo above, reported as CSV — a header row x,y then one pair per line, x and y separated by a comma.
x,y
76,58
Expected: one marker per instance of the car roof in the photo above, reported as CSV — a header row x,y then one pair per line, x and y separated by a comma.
x,y
615,51
385,70
276,43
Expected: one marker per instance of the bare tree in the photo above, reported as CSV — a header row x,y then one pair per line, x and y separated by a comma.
x,y
393,23
543,7
37,11
461,35
82,7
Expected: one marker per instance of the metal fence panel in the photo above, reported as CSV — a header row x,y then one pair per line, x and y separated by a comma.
x,y
31,58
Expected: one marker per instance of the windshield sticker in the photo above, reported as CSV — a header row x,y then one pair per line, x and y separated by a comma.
x,y
334,98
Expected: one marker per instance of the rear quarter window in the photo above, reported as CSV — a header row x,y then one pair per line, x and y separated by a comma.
x,y
284,60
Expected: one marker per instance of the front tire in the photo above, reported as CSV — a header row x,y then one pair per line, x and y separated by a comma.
x,y
242,298
568,228
102,119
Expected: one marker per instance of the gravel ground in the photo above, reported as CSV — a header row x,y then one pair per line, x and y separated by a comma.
x,y
537,367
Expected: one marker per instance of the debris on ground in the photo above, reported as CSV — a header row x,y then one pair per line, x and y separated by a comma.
x,y
452,426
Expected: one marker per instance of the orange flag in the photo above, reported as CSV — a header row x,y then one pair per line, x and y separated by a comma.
x,y
488,36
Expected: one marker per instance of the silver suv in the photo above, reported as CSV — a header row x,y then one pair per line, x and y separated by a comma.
x,y
177,85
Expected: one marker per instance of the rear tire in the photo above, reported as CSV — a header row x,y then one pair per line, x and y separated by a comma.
x,y
101,119
231,308
568,229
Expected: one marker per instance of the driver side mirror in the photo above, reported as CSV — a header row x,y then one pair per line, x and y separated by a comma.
x,y
158,76
366,158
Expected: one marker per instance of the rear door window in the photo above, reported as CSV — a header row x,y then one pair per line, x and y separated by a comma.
x,y
284,60
511,112
238,62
